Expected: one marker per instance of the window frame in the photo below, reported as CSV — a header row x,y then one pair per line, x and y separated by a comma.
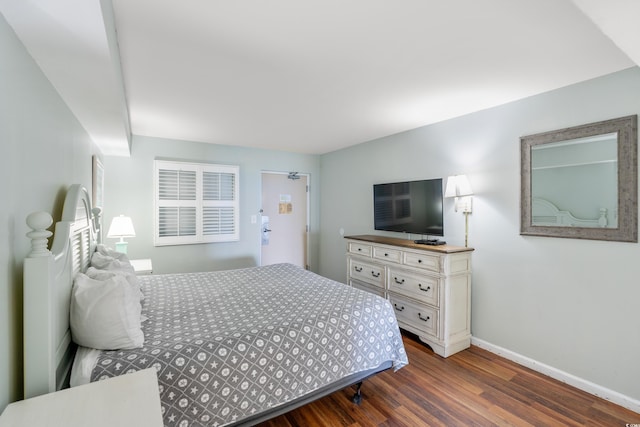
x,y
199,203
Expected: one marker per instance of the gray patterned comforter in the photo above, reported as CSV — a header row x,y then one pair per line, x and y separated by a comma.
x,y
230,344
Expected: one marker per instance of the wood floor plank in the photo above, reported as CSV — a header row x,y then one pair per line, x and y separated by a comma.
x,y
471,388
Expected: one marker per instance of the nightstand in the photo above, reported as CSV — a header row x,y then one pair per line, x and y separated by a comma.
x,y
142,266
126,400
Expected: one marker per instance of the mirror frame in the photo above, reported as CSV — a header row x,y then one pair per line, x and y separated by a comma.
x,y
627,231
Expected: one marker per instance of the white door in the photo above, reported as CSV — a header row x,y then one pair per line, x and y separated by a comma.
x,y
284,218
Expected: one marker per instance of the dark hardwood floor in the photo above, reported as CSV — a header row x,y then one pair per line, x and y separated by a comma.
x,y
471,388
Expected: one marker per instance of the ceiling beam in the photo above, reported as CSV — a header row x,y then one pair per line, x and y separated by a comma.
x,y
75,45
618,20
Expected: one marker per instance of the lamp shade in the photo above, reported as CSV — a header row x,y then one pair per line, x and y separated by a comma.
x,y
458,186
121,226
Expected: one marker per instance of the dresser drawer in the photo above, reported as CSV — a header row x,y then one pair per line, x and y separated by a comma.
x,y
386,254
424,261
422,288
422,318
367,287
365,272
360,249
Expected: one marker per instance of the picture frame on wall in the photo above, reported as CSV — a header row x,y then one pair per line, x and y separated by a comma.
x,y
98,183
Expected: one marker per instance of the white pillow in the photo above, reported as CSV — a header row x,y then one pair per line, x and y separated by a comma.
x,y
97,274
105,262
107,251
105,314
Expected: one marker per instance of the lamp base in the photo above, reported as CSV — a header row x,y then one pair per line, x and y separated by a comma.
x,y
466,228
121,247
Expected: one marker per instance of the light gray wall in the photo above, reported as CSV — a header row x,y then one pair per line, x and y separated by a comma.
x,y
571,304
129,191
43,149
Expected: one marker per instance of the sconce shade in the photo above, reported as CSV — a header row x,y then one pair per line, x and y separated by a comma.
x,y
121,226
458,186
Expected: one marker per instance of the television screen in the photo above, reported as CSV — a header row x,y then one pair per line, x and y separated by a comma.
x,y
410,207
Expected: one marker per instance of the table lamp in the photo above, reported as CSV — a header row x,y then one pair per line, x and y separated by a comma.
x,y
121,227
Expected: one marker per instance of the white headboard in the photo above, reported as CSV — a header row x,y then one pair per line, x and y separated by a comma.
x,y
545,213
48,278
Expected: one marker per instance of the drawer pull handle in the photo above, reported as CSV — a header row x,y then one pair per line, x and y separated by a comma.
x,y
359,249
427,289
419,261
398,308
423,318
358,269
374,274
399,282
386,254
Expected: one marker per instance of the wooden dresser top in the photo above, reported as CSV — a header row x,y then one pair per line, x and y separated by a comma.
x,y
405,243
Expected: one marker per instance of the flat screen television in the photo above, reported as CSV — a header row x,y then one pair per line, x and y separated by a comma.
x,y
410,207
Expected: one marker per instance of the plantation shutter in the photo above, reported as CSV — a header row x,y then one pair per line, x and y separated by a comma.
x,y
218,203
177,207
195,203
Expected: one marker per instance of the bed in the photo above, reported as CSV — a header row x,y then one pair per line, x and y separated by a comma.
x,y
231,347
545,213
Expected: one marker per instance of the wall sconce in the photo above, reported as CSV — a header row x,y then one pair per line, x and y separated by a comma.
x,y
458,186
121,227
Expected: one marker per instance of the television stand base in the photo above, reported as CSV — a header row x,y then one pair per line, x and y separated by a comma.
x,y
432,242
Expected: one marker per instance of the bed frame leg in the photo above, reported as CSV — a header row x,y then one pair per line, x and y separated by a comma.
x,y
357,397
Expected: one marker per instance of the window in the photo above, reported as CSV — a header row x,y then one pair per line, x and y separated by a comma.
x,y
195,203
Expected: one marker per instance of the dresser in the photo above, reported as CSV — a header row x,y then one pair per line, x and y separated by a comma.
x,y
429,286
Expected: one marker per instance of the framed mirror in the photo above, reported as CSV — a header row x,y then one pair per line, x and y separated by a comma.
x,y
581,182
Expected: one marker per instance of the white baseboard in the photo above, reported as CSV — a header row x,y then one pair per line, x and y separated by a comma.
x,y
565,377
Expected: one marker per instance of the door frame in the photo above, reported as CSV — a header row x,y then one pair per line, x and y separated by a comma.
x,y
307,219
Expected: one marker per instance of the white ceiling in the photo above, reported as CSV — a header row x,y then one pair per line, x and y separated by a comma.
x,y
311,76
